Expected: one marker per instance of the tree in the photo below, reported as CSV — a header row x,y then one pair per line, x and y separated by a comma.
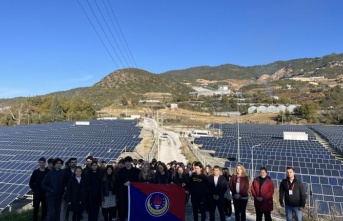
x,y
55,109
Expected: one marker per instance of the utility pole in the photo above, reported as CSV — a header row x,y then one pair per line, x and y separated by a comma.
x,y
238,137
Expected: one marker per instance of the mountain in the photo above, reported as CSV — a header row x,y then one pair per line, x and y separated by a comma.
x,y
328,66
132,84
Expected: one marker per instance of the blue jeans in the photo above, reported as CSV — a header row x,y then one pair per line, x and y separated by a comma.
x,y
290,210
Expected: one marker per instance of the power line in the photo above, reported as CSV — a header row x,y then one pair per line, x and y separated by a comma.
x,y
111,33
122,34
98,34
120,39
105,34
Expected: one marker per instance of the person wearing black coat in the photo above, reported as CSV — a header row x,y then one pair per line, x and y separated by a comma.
x,y
162,176
125,176
53,185
217,189
198,186
76,194
35,183
93,201
181,178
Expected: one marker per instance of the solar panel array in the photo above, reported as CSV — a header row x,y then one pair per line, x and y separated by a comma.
x,y
21,147
319,170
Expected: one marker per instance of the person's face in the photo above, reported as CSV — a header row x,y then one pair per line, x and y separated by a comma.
x,y
197,169
207,169
58,165
94,166
88,162
121,165
216,171
263,174
41,164
160,168
109,171
239,170
73,163
78,172
146,167
50,165
128,164
290,173
180,170
168,167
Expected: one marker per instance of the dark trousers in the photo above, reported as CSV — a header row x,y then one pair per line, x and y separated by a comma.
x,y
108,213
198,205
228,207
240,209
37,200
93,212
53,208
77,214
213,205
123,206
259,215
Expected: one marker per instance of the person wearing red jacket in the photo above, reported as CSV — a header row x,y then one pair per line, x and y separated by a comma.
x,y
262,189
239,186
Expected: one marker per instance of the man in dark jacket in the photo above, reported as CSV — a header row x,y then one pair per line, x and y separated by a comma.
x,y
93,179
36,187
293,192
125,176
217,189
68,174
53,185
198,185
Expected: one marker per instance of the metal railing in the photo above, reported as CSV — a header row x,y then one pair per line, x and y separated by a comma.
x,y
197,153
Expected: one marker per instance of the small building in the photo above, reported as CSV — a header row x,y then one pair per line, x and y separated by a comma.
x,y
173,106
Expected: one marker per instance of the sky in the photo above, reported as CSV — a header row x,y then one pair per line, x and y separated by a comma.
x,y
55,45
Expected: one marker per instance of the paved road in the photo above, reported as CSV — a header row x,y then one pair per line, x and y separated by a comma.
x,y
171,148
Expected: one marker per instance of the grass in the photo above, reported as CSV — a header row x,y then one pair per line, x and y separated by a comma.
x,y
17,216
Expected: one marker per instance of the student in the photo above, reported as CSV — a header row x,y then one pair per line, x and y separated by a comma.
x,y
108,193
293,193
125,175
76,194
94,178
50,166
68,174
87,165
228,195
198,186
146,175
239,186
262,190
162,175
217,189
35,183
54,187
180,178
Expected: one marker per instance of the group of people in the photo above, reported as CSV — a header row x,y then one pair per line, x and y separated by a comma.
x,y
65,193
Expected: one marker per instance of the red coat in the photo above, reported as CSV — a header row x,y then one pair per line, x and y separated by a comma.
x,y
243,185
266,193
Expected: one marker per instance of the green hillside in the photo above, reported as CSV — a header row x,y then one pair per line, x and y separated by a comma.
x,y
320,66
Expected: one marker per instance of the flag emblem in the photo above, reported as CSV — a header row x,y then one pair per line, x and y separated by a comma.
x,y
157,204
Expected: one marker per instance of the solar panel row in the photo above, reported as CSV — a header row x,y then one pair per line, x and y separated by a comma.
x,y
21,146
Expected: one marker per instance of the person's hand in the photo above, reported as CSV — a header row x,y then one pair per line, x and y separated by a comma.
x,y
237,196
282,204
260,199
183,184
216,197
127,183
186,192
301,208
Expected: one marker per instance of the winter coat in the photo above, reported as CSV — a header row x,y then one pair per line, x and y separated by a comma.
x,y
265,191
162,179
36,180
53,183
76,194
298,199
179,181
243,185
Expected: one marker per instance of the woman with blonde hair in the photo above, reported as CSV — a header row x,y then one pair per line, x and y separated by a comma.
x,y
239,186
146,175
